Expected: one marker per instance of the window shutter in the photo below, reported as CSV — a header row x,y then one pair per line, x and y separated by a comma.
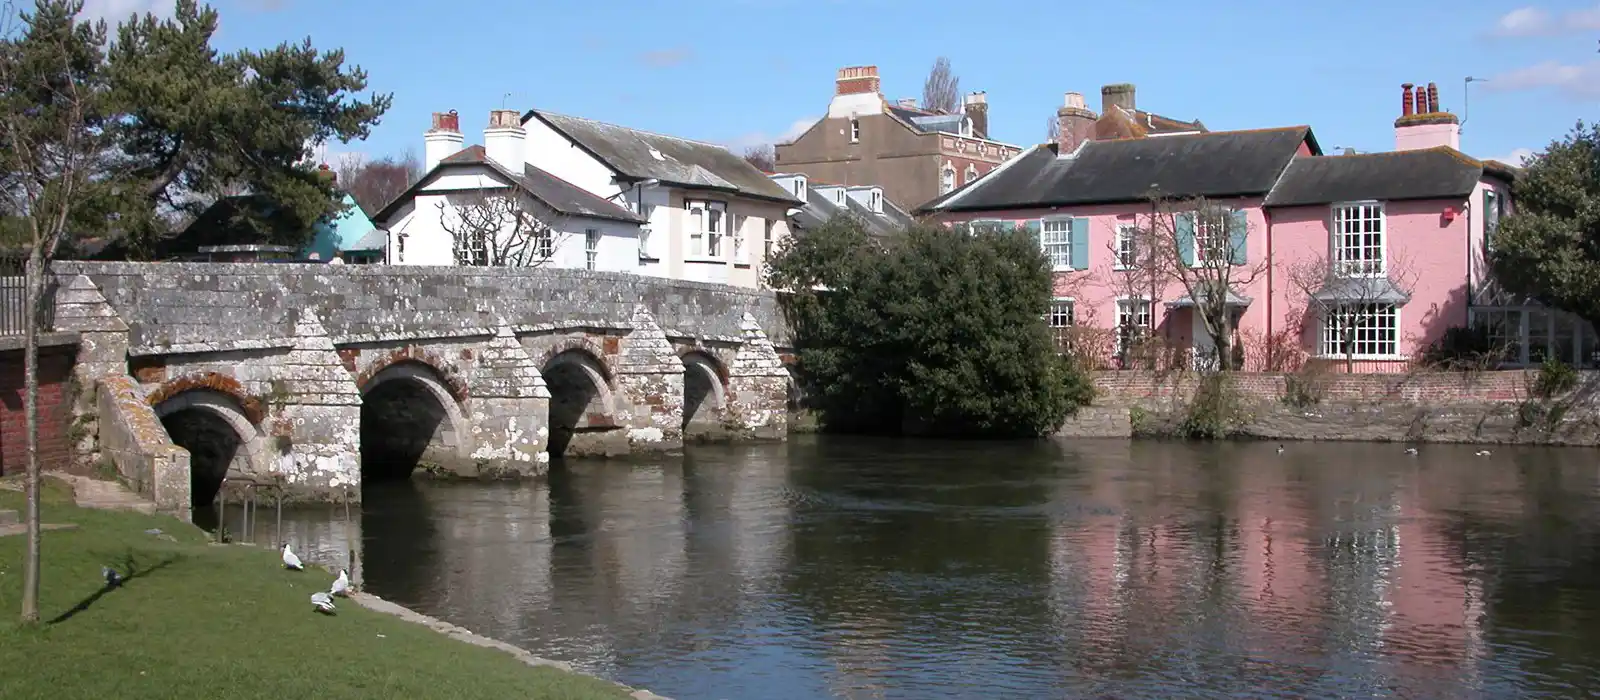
x,y
1238,237
1032,227
1184,225
1080,243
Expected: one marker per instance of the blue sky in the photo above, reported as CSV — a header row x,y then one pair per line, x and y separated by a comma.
x,y
745,71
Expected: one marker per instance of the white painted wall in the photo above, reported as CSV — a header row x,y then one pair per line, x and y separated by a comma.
x,y
426,241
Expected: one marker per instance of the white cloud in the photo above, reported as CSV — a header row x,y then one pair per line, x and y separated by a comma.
x,y
1516,157
1573,81
118,11
761,138
1535,21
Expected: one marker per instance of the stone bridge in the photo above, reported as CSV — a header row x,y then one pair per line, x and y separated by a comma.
x,y
320,377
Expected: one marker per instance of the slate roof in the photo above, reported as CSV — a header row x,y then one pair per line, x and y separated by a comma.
x,y
1432,173
675,161
1211,164
819,208
376,239
1369,290
556,193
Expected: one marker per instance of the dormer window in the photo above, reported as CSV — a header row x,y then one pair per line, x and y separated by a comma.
x,y
838,196
855,130
800,188
875,201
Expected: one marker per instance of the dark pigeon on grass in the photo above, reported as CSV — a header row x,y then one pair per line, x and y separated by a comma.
x,y
113,579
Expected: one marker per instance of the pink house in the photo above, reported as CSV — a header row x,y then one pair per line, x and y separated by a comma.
x,y
1364,258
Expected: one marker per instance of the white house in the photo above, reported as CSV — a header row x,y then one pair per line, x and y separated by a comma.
x,y
710,215
825,201
486,205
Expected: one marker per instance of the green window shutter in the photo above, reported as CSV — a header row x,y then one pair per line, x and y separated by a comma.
x,y
1184,223
1032,227
1238,237
1080,244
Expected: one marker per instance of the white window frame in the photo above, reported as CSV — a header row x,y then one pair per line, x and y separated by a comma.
x,y
707,224
1203,243
1056,318
1491,216
767,239
472,249
1141,312
1358,251
544,243
591,248
1330,344
1055,241
970,174
855,130
875,201
1127,246
737,222
947,178
644,245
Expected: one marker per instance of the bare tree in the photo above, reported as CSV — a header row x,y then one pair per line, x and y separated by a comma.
x,y
50,86
1134,273
763,157
1052,129
501,227
1199,247
376,183
1347,297
941,92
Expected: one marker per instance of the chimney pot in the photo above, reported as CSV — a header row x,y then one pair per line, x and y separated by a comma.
x,y
1406,99
1117,95
1433,98
446,121
1074,100
443,140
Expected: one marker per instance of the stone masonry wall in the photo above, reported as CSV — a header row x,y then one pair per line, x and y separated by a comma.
x,y
205,307
1470,407
132,438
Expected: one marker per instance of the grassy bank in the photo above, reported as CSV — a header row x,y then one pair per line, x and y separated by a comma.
x,y
209,621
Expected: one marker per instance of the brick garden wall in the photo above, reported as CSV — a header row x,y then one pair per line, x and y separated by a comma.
x,y
1122,387
55,409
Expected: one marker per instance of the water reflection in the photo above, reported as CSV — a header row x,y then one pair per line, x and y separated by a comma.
x,y
899,569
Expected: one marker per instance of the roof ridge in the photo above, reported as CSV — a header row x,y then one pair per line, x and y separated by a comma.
x,y
629,128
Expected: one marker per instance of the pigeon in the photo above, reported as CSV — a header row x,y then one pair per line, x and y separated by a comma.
x,y
113,579
290,561
341,585
322,602
1411,450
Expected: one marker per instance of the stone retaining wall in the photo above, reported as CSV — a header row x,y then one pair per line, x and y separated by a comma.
x,y
131,437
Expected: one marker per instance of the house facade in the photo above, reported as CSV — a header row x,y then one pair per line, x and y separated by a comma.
x,y
708,215
914,154
1368,259
486,205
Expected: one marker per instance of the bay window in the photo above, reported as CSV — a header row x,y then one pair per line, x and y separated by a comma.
x,y
1361,331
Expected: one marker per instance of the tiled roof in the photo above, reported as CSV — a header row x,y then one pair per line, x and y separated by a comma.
x,y
1433,173
819,208
556,193
1212,164
672,160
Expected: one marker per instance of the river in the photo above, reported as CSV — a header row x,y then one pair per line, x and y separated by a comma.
x,y
834,567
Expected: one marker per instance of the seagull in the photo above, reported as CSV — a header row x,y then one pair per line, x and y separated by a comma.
x,y
322,602
1411,450
290,561
113,579
1280,449
1483,453
341,585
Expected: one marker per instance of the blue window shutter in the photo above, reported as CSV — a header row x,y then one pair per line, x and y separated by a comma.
x,y
1032,227
1238,237
1080,244
1184,223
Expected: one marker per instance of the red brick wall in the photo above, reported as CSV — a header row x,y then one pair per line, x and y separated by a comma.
x,y
55,410
1442,387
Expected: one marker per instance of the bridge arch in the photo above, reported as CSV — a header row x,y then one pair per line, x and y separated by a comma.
x,y
411,414
217,429
581,395
705,393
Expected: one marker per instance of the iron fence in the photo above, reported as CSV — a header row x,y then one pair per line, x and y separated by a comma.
x,y
14,297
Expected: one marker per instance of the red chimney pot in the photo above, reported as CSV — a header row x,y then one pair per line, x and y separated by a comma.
x,y
1433,97
1405,99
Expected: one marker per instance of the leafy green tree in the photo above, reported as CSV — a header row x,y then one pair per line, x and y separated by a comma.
x,y
934,330
1549,248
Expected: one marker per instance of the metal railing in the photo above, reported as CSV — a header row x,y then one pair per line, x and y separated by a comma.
x,y
14,298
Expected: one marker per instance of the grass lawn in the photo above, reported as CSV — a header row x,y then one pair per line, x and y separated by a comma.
x,y
208,621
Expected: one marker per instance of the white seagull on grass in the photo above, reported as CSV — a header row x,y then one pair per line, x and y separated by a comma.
x,y
341,585
290,560
322,602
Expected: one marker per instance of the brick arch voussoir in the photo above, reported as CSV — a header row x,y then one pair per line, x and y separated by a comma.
x,y
253,408
448,375
584,344
709,357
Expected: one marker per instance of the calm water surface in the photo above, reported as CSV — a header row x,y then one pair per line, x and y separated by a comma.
x,y
859,568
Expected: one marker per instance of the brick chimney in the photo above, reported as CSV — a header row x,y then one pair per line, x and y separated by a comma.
x,y
327,172
443,140
1117,95
856,80
1074,124
977,108
1428,125
503,140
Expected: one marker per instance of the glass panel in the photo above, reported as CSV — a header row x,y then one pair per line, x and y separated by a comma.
x,y
1586,344
1538,335
1564,342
